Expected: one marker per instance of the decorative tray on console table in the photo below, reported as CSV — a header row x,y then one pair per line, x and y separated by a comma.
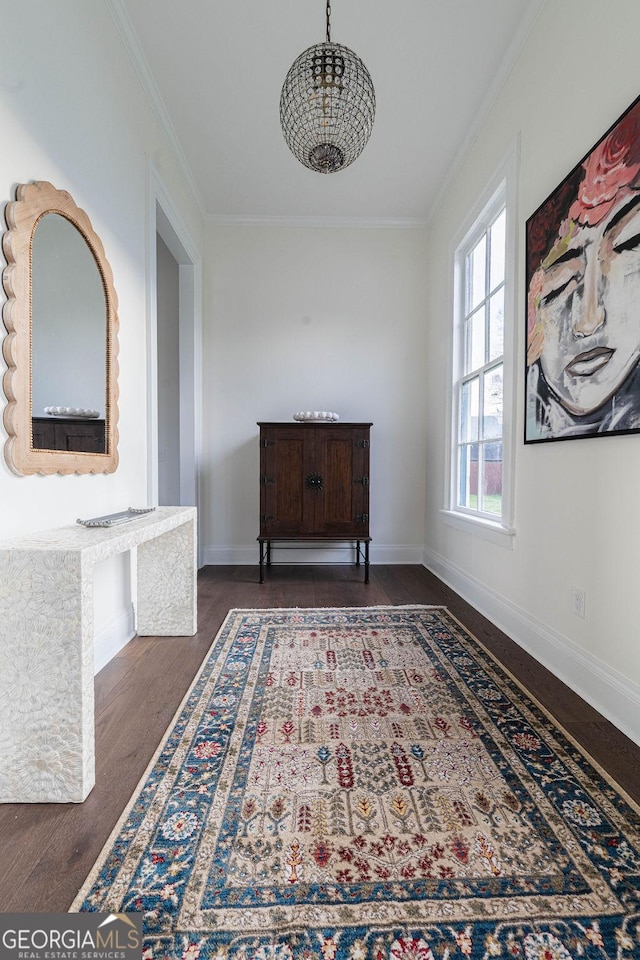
x,y
111,519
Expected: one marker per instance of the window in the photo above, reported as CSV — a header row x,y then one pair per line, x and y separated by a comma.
x,y
481,444
480,386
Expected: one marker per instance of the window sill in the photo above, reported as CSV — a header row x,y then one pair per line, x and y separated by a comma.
x,y
478,527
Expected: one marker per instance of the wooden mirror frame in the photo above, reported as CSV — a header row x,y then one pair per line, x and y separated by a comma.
x,y
34,201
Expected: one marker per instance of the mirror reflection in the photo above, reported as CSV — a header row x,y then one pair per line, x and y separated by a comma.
x,y
69,340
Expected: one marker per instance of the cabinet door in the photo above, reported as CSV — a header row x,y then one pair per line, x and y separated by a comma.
x,y
43,434
80,436
342,460
285,457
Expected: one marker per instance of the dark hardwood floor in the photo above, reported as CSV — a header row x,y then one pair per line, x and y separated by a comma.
x,y
46,850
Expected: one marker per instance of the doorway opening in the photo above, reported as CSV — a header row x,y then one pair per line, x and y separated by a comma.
x,y
175,333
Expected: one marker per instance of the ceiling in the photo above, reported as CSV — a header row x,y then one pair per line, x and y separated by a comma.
x,y
214,70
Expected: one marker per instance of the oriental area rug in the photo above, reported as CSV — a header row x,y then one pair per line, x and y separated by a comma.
x,y
369,784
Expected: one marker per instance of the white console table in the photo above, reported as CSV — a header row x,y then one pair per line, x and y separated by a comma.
x,y
47,741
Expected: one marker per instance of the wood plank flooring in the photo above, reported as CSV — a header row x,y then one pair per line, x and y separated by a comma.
x,y
46,850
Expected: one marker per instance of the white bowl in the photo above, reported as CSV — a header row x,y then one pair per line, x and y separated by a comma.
x,y
317,415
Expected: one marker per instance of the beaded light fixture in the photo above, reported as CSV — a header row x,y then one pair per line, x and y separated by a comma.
x,y
327,106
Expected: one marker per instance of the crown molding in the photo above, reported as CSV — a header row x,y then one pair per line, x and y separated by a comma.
x,y
123,23
145,76
500,78
333,223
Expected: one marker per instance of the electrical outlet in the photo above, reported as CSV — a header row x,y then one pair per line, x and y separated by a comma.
x,y
578,601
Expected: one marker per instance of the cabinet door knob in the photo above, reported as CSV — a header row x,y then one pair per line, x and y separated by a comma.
x,y
314,481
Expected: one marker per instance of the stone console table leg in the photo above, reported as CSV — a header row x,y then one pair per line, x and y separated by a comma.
x,y
167,584
47,748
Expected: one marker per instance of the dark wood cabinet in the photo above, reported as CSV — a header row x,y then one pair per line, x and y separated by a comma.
x,y
75,434
314,485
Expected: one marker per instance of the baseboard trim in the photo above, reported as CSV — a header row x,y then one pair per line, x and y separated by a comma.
x,y
609,692
112,637
378,553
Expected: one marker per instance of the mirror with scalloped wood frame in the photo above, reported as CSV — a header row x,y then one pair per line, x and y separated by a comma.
x,y
61,346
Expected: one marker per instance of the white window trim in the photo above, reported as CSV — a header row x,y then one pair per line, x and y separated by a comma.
x,y
500,531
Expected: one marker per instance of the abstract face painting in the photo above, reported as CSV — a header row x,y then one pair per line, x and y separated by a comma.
x,y
583,295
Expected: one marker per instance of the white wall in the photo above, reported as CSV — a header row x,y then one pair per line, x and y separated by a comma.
x,y
314,319
72,111
576,503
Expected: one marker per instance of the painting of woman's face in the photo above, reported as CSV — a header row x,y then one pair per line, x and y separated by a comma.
x,y
583,295
589,311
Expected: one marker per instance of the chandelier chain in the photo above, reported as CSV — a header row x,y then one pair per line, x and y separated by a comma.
x,y
328,21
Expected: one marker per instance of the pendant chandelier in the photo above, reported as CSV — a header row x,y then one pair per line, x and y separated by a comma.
x,y
327,106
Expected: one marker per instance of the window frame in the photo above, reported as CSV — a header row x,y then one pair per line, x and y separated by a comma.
x,y
500,192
